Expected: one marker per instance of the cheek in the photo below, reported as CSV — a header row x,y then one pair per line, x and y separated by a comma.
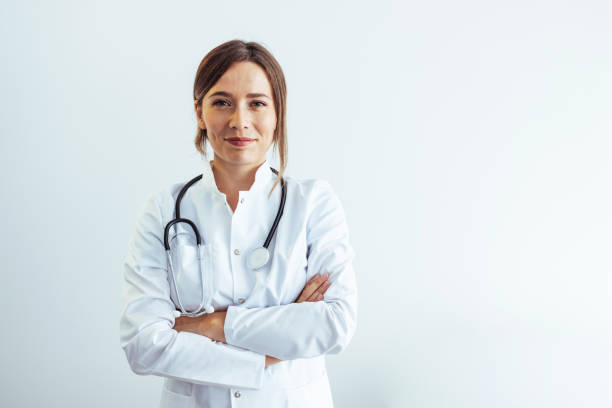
x,y
215,122
268,124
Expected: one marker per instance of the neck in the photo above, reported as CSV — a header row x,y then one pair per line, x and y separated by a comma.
x,y
231,178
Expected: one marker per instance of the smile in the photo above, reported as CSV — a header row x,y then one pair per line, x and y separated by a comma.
x,y
240,141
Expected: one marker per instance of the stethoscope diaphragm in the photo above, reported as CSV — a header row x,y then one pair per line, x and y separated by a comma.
x,y
258,258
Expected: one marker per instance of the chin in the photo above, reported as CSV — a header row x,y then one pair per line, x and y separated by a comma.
x,y
243,159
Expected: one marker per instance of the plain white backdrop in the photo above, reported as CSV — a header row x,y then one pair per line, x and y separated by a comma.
x,y
468,141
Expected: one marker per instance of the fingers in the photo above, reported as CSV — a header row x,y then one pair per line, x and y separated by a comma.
x,y
319,292
272,360
314,288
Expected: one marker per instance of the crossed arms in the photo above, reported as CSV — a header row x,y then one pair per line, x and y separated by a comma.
x,y
233,347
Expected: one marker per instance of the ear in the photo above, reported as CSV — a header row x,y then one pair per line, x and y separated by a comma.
x,y
198,109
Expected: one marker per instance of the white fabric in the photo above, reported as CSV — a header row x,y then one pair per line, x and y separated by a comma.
x,y
262,318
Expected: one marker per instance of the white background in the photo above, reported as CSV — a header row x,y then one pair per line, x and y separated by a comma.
x,y
468,141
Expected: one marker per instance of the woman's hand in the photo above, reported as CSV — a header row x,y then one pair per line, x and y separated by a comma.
x,y
314,289
272,360
210,325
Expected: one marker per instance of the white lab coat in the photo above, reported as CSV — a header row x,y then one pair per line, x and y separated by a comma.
x,y
312,237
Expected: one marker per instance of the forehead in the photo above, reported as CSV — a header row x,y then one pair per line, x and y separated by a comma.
x,y
243,78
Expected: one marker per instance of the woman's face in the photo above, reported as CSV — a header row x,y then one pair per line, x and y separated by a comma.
x,y
238,115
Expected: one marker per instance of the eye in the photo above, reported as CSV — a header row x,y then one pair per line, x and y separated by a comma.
x,y
220,102
262,103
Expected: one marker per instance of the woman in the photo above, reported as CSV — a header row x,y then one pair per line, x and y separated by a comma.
x,y
264,345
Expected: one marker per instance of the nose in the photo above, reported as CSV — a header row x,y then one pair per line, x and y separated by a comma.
x,y
240,118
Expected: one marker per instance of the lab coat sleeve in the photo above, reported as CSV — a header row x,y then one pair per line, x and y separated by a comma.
x,y
307,329
150,343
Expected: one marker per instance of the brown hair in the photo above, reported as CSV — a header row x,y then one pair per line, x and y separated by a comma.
x,y
214,65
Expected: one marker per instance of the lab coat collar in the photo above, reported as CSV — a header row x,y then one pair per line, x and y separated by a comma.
x,y
263,176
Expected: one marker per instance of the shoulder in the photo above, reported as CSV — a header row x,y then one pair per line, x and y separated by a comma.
x,y
323,214
162,201
310,189
318,197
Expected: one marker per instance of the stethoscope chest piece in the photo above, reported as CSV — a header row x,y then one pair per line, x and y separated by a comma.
x,y
258,258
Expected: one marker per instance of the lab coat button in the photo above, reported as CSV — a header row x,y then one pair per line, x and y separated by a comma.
x,y
237,394
242,200
236,252
241,300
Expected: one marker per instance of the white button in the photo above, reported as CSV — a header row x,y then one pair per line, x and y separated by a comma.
x,y
237,394
242,200
241,300
236,252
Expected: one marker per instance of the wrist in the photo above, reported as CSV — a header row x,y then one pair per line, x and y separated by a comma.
x,y
204,326
212,325
221,327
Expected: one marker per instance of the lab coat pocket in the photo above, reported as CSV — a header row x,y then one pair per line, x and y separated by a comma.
x,y
176,394
315,393
191,265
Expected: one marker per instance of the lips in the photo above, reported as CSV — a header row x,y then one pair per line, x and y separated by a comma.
x,y
240,141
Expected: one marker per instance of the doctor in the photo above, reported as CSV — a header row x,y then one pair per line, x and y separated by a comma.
x,y
265,343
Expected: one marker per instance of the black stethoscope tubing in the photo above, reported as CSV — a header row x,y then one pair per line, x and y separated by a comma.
x,y
178,219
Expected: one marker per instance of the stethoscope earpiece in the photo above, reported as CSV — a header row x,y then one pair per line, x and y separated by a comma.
x,y
207,309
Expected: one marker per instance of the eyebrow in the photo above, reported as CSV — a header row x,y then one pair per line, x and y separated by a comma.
x,y
229,95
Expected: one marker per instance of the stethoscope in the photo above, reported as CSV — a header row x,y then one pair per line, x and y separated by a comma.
x,y
256,259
